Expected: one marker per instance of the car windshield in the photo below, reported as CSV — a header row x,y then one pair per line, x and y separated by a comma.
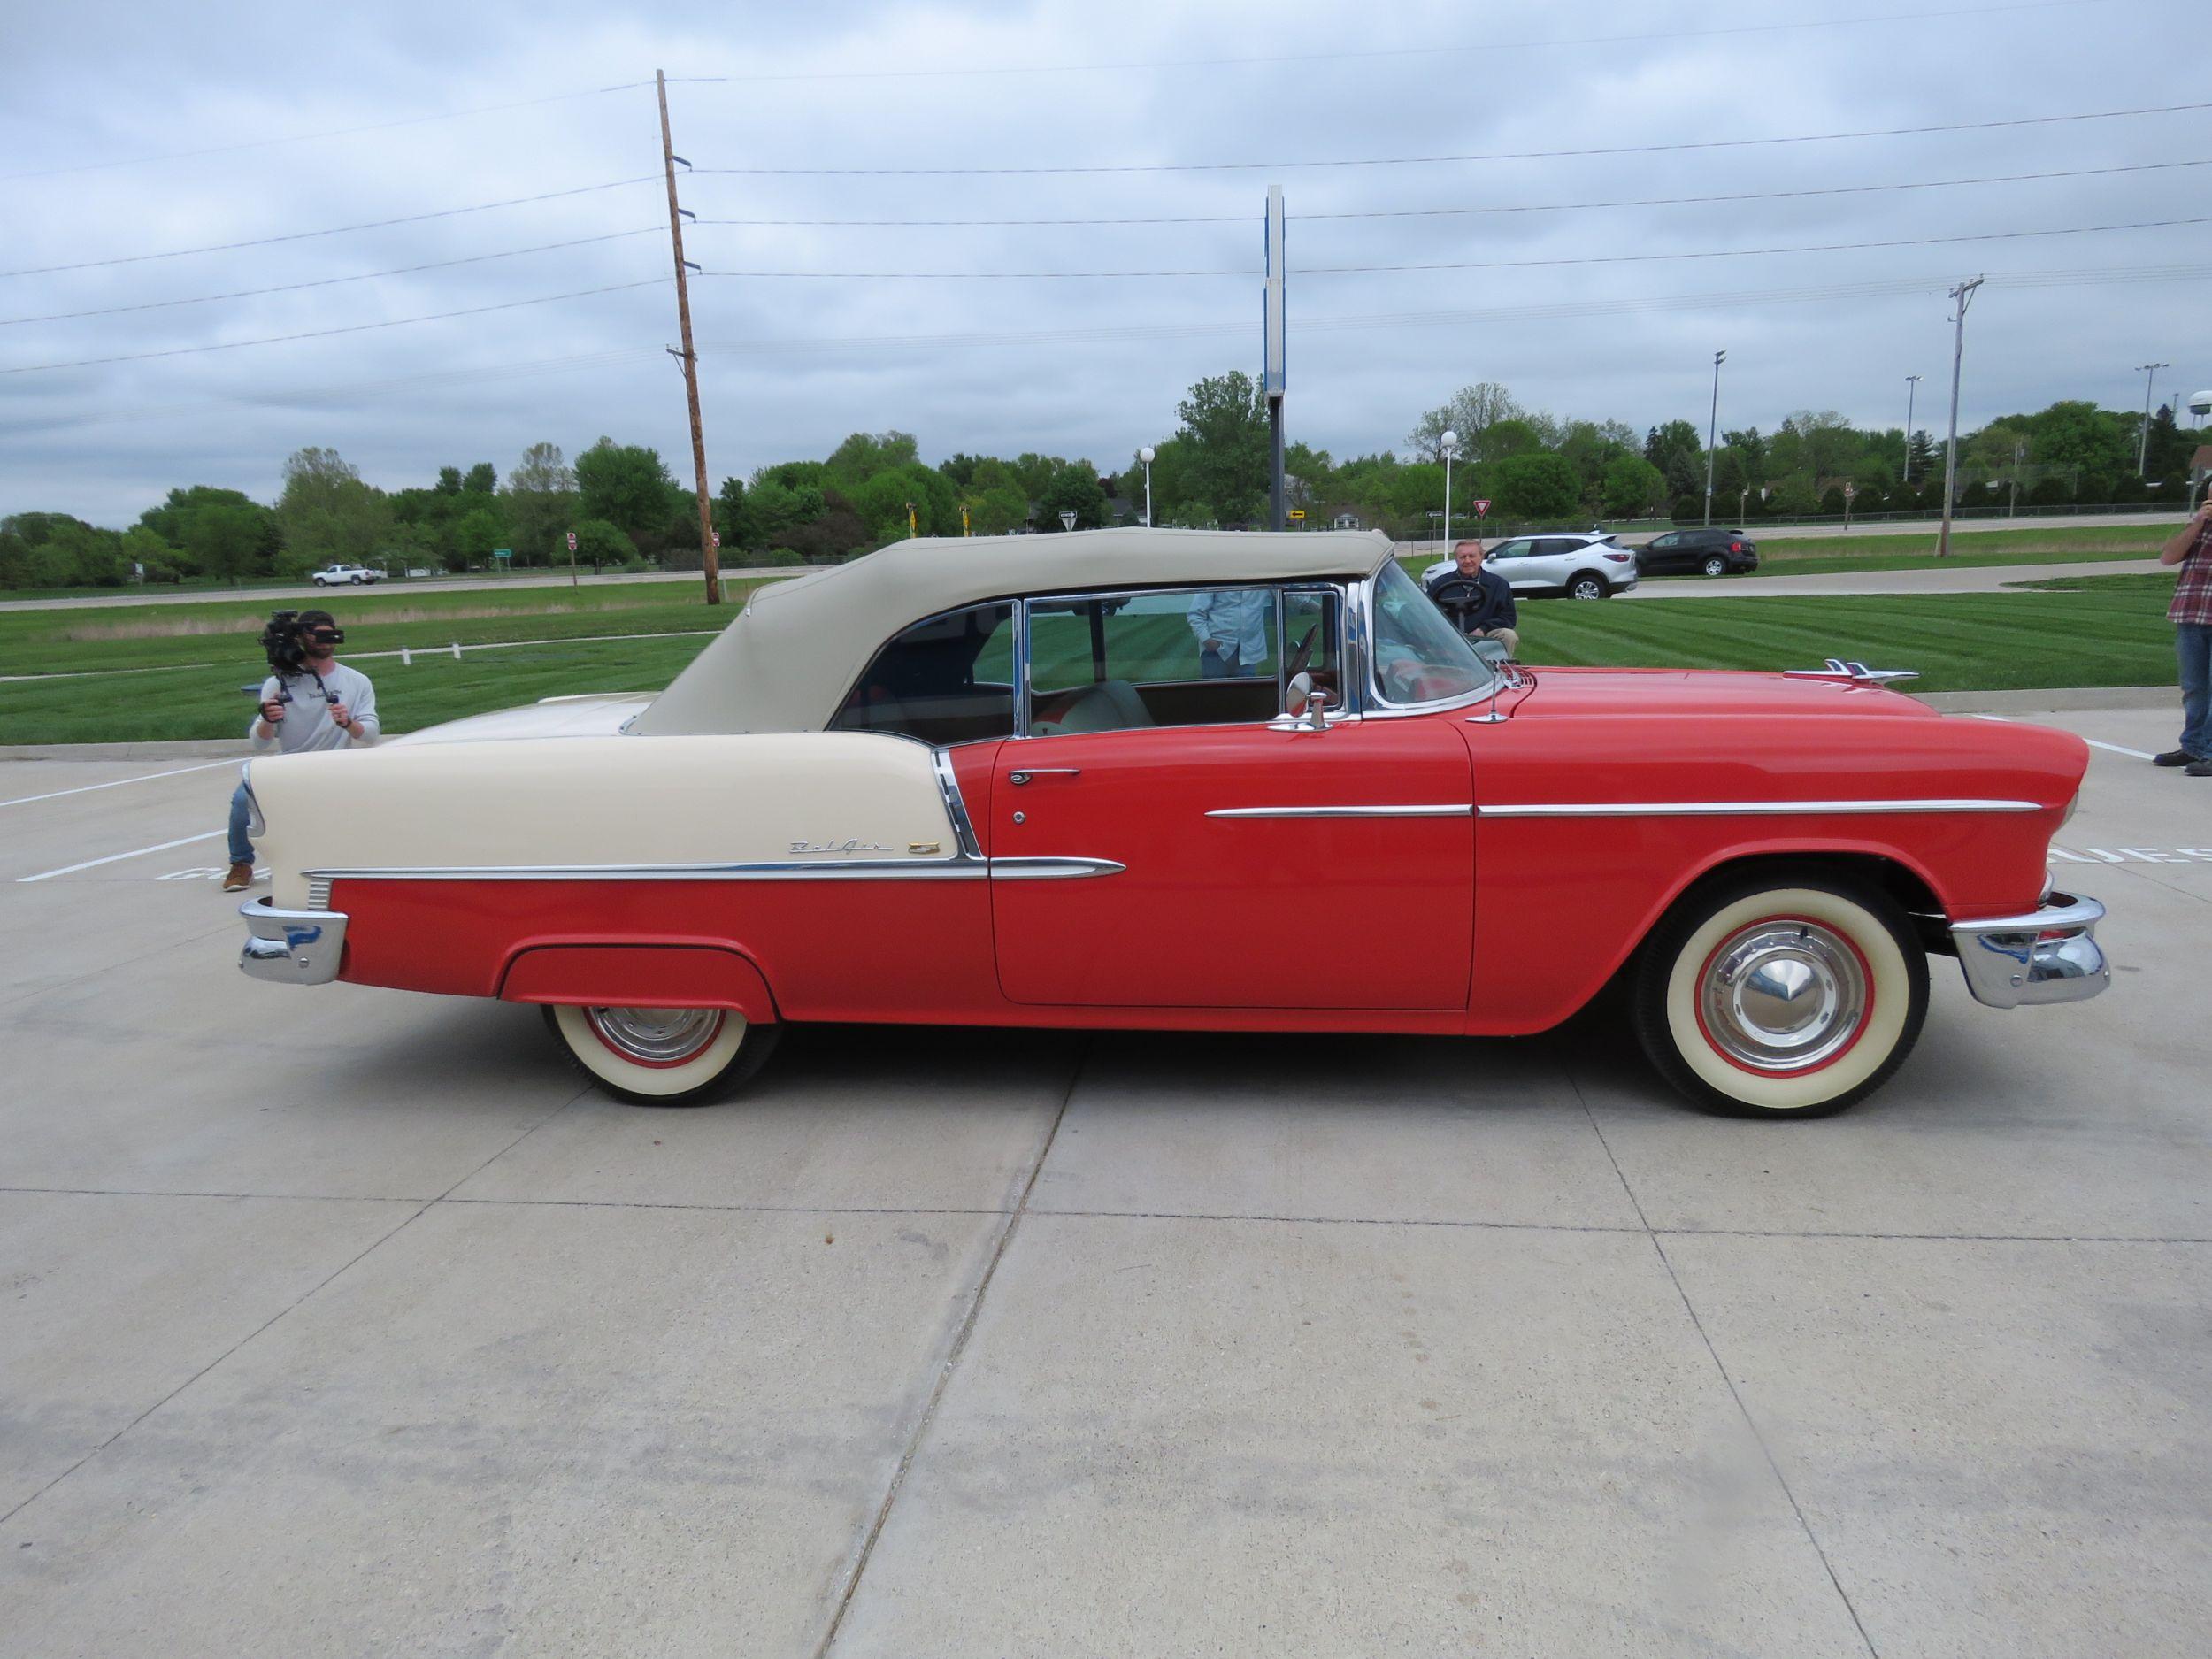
x,y
1419,656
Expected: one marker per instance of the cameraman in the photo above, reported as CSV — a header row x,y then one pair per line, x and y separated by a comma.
x,y
1478,602
313,701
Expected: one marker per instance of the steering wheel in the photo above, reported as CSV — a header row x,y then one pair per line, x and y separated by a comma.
x,y
1300,653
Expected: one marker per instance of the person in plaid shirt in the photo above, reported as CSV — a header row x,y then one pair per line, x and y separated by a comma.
x,y
2191,614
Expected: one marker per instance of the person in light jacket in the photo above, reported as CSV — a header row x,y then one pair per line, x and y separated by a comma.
x,y
329,706
1232,625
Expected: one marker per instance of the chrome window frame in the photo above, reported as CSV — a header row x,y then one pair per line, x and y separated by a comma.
x,y
1024,692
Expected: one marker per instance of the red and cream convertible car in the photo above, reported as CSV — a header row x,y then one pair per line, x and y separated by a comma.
x,y
1171,779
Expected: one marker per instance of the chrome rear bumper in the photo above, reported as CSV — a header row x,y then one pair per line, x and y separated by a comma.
x,y
2051,956
292,947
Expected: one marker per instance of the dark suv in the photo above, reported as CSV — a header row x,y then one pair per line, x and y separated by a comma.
x,y
1697,552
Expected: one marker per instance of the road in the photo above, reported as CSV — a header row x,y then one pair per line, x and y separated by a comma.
x,y
339,1321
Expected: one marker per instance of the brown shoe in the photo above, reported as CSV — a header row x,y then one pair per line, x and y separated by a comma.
x,y
239,879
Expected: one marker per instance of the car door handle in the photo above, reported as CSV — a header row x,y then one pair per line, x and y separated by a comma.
x,y
1027,773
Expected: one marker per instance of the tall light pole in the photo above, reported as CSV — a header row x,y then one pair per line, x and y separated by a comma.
x,y
1145,454
1712,428
1449,444
1965,296
2149,371
1912,390
2019,455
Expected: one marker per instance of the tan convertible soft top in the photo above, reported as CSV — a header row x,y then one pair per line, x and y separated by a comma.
x,y
795,651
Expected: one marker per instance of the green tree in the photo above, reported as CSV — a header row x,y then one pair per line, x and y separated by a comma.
x,y
1633,487
482,479
729,512
155,558
626,485
448,481
225,540
1074,488
542,502
1470,413
1225,429
1535,488
328,514
477,533
865,454
601,544
998,512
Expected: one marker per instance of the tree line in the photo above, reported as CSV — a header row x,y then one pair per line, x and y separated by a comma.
x,y
627,510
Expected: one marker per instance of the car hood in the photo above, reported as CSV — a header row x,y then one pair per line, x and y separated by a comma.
x,y
1692,692
599,715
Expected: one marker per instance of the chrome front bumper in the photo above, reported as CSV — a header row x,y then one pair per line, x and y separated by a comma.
x,y
2050,955
292,947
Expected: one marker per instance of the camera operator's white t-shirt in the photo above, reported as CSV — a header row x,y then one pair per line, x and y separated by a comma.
x,y
307,724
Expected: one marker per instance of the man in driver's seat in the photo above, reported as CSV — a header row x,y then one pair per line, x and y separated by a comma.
x,y
1480,602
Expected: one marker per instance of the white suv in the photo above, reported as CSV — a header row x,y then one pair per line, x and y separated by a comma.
x,y
333,575
1580,563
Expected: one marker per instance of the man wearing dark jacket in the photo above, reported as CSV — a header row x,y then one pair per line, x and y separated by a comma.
x,y
1478,602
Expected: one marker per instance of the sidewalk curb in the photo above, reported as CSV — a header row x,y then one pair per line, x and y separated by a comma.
x,y
188,748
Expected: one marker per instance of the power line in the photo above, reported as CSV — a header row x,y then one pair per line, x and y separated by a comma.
x,y
325,282
333,230
1476,264
318,334
1424,161
1486,49
335,132
1441,212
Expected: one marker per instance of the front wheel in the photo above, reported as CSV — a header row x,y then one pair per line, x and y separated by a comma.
x,y
1787,998
1716,565
1589,585
663,1056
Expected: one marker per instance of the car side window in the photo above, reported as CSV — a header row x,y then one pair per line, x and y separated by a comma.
x,y
947,679
1210,656
1665,543
1511,550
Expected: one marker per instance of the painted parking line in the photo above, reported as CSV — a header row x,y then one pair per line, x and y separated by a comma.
x,y
136,852
117,783
2117,749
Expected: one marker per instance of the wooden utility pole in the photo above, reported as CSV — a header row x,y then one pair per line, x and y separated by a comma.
x,y
1965,296
709,559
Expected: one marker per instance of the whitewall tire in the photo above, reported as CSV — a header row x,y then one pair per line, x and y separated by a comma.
x,y
1785,996
663,1056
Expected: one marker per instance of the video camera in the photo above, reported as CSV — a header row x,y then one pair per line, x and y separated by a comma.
x,y
284,642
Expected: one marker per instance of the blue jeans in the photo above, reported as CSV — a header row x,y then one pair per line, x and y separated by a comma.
x,y
241,848
2192,648
1213,665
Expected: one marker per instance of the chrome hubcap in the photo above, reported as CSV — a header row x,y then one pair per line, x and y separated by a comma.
x,y
1783,995
657,1036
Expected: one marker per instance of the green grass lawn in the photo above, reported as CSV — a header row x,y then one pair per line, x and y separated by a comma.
x,y
2081,631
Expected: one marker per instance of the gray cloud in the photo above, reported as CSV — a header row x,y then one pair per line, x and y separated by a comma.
x,y
1061,365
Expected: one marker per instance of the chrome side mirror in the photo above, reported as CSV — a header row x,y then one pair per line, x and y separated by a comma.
x,y
1317,710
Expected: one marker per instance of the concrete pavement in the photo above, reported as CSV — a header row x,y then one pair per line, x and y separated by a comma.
x,y
341,1321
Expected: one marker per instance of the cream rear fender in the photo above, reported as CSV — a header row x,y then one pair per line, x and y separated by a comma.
x,y
448,809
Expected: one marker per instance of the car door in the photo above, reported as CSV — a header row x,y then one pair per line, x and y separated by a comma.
x,y
1255,864
1516,561
1662,554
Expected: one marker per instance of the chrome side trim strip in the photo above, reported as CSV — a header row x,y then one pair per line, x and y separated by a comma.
x,y
1342,811
778,869
1741,809
1033,868
1052,869
955,807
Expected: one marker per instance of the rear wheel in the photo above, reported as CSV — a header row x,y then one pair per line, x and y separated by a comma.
x,y
1589,585
1716,566
1788,996
663,1056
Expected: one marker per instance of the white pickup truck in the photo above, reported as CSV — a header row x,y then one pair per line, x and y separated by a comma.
x,y
334,575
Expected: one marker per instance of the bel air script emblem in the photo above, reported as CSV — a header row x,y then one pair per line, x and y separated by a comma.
x,y
835,848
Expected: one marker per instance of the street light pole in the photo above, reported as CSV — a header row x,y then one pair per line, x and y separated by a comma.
x,y
1964,295
1712,427
2019,455
1145,454
1449,444
2149,371
1912,390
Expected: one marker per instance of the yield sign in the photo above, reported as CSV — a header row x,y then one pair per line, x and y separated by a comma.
x,y
1482,510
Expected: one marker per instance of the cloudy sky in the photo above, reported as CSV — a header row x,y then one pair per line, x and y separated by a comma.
x,y
136,130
